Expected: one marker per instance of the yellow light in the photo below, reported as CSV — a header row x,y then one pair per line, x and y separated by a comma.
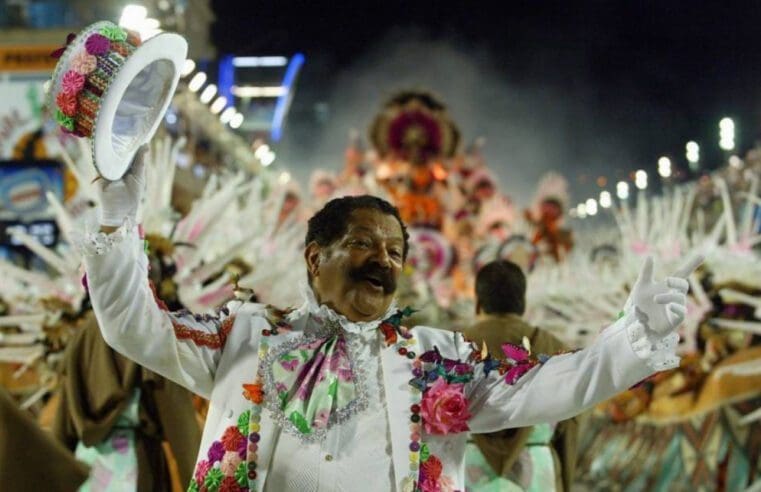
x,y
208,94
188,67
591,207
218,105
227,115
197,82
622,190
237,121
605,199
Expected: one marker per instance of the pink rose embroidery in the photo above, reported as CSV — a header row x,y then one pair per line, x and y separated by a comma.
x,y
444,408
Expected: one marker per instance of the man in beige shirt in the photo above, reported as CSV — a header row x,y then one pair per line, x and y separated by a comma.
x,y
500,303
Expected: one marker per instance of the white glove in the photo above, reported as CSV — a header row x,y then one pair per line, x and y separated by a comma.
x,y
662,306
120,199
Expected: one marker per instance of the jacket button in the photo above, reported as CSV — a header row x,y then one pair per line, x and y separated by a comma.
x,y
230,413
328,457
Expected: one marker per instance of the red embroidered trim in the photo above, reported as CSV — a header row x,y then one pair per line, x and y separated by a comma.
x,y
202,338
161,304
225,329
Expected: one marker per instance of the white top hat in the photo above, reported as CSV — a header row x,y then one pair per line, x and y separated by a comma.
x,y
114,89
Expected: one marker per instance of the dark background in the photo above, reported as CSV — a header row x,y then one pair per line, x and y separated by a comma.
x,y
586,88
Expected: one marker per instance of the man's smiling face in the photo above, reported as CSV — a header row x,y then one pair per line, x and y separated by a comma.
x,y
357,274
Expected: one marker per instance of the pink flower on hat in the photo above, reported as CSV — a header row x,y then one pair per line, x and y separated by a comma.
x,y
72,82
67,103
83,63
97,44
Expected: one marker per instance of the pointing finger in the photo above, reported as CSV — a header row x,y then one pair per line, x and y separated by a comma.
x,y
685,270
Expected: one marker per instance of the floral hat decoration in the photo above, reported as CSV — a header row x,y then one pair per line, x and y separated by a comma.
x,y
112,88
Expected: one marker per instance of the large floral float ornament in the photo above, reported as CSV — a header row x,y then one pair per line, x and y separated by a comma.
x,y
414,138
114,89
431,254
414,127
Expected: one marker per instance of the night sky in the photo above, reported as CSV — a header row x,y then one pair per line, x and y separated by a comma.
x,y
587,88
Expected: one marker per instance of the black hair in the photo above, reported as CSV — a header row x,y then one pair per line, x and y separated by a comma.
x,y
330,223
501,288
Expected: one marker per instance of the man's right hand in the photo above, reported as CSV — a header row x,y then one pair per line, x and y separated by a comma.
x,y
120,199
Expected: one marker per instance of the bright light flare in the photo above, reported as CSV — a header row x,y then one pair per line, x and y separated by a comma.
x,y
591,207
197,82
227,115
237,121
218,105
622,190
693,152
664,167
606,201
640,179
188,67
208,93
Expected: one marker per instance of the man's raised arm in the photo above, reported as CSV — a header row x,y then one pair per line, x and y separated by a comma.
x,y
642,342
179,346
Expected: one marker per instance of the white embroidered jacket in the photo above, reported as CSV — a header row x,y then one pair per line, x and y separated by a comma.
x,y
214,356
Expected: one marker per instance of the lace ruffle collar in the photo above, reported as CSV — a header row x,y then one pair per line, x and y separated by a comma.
x,y
322,314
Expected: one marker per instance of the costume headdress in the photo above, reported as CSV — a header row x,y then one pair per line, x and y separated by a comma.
x,y
112,88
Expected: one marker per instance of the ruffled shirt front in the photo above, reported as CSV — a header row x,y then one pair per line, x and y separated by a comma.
x,y
362,442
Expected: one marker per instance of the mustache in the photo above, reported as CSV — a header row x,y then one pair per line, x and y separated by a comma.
x,y
383,275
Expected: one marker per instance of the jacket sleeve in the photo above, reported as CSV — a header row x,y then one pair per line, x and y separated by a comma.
x,y
567,384
180,346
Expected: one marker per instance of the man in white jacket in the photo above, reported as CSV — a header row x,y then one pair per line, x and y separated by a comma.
x,y
338,394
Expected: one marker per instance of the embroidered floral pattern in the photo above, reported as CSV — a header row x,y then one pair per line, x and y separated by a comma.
x,y
84,63
90,60
521,362
311,383
114,33
67,103
97,44
431,478
444,408
225,466
254,393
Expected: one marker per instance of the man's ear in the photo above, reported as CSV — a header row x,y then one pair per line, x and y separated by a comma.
x,y
312,258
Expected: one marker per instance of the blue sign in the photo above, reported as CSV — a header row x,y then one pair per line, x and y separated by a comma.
x,y
23,186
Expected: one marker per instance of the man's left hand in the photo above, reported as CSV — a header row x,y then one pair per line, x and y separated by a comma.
x,y
662,306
